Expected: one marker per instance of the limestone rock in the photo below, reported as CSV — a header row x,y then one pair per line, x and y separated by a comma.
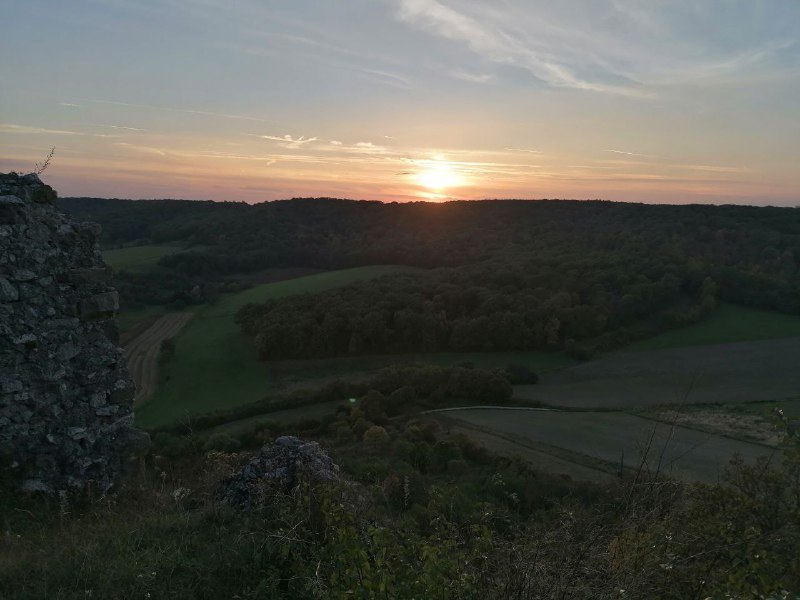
x,y
276,468
65,391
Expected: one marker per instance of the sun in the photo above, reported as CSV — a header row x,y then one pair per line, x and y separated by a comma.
x,y
439,176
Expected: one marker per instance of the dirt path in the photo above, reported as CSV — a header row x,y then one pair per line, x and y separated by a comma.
x,y
142,352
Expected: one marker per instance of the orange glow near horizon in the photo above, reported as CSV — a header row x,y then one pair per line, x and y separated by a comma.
x,y
242,167
439,177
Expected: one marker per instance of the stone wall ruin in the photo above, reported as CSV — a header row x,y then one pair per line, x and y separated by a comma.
x,y
65,392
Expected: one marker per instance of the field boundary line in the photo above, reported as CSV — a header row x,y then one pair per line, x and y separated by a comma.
x,y
455,408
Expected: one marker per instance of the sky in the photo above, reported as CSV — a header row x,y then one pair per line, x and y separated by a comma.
x,y
671,101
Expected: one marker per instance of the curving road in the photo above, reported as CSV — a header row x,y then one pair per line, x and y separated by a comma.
x,y
142,352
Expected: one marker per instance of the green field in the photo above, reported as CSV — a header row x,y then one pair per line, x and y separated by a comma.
x,y
728,323
215,365
138,259
600,440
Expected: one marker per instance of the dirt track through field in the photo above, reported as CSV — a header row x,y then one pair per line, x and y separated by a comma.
x,y
142,352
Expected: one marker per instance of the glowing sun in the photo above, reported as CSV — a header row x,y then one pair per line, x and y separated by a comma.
x,y
439,176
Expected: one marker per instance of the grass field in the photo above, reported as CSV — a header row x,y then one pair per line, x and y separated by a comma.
x,y
764,370
600,440
138,258
215,365
728,323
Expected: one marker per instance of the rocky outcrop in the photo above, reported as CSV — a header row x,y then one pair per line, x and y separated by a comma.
x,y
278,468
65,392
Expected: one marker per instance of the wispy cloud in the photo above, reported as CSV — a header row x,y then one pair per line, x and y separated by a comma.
x,y
122,127
368,147
493,39
11,128
287,141
69,104
25,129
472,77
187,111
637,49
143,149
628,153
523,150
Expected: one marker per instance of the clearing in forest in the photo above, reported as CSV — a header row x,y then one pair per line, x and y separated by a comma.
x,y
215,365
138,259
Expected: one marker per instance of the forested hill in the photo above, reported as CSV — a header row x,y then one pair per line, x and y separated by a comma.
x,y
324,232
506,274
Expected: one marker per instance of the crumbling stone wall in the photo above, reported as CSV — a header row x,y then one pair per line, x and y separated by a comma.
x,y
65,391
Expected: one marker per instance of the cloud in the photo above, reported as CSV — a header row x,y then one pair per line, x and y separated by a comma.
x,y
472,77
188,111
629,153
69,104
287,141
623,47
143,149
11,128
523,150
366,148
123,127
493,39
335,143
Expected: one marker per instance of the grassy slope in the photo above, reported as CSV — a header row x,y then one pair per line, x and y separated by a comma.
x,y
137,258
729,323
215,365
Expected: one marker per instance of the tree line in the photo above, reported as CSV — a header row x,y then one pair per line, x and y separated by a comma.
x,y
502,274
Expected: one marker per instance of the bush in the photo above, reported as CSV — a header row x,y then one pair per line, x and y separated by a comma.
x,y
172,446
222,441
376,437
520,375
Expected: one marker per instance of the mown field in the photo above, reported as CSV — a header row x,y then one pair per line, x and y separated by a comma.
x,y
138,259
603,441
758,371
215,365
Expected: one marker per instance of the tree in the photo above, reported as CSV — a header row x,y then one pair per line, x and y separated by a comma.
x,y
376,437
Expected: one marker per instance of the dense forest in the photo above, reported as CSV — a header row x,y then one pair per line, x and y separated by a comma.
x,y
501,275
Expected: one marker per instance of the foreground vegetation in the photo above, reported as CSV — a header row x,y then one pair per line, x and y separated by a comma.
x,y
430,515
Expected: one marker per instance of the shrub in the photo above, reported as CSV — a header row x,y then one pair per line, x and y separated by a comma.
x,y
376,437
222,441
520,375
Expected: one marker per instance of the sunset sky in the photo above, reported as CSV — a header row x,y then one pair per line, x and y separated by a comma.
x,y
637,100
